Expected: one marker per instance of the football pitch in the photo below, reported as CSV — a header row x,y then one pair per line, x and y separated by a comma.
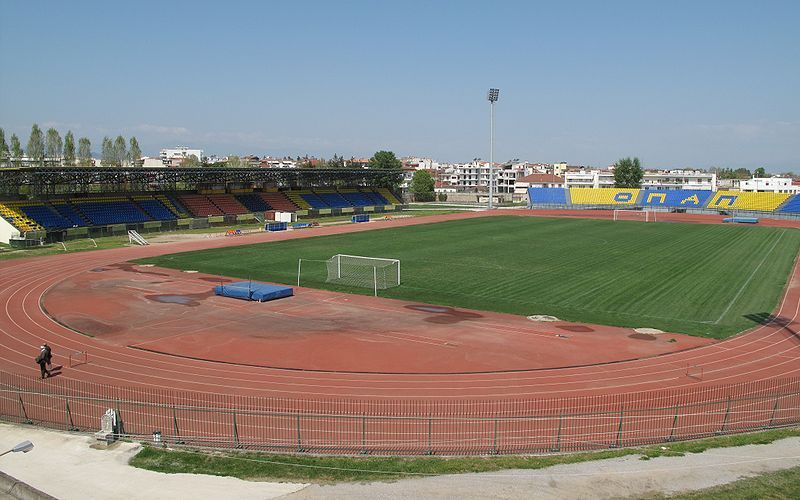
x,y
710,280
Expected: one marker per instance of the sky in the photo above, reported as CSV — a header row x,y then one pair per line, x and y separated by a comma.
x,y
675,83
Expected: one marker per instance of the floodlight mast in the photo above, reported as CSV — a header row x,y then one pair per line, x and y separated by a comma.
x,y
492,97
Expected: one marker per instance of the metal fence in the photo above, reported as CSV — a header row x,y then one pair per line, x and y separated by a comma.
x,y
463,427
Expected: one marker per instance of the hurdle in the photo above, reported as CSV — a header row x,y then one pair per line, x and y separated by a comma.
x,y
694,372
77,358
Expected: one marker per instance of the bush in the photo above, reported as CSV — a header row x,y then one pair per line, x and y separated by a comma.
x,y
442,196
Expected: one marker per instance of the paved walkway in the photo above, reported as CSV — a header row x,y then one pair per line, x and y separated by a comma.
x,y
64,465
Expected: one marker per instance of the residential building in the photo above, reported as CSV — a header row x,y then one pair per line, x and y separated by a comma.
x,y
174,157
769,185
538,181
661,179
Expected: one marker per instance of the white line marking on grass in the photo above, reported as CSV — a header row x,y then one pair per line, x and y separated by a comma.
x,y
749,278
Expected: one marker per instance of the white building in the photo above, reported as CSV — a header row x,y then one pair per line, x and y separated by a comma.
x,y
473,177
662,179
769,185
537,181
175,156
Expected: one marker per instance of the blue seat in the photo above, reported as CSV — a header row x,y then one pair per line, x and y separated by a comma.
x,y
358,199
792,205
112,212
253,202
548,195
675,198
377,198
314,200
334,200
156,210
46,217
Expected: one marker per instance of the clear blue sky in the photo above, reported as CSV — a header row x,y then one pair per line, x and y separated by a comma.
x,y
676,83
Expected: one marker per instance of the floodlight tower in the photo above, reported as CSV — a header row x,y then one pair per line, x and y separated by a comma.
x,y
492,97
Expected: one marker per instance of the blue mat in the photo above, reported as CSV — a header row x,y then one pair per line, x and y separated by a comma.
x,y
250,290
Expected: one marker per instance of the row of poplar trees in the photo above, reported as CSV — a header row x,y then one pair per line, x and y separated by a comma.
x,y
49,148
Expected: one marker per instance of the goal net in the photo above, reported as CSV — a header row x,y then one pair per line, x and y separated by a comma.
x,y
639,215
367,272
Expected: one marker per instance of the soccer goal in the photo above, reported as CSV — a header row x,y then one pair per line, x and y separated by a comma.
x,y
366,272
639,215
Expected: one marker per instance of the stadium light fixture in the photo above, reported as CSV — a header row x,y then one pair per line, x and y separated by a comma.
x,y
23,447
492,96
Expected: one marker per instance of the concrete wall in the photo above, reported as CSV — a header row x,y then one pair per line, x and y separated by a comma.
x,y
7,231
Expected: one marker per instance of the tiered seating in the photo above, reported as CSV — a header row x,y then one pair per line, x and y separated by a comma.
x,y
313,200
603,196
172,206
46,217
228,204
388,196
377,198
765,202
253,202
333,199
551,196
10,211
112,210
792,205
279,201
154,208
69,213
357,198
690,198
199,206
294,197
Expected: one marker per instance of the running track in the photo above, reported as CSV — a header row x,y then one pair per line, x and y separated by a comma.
x,y
765,353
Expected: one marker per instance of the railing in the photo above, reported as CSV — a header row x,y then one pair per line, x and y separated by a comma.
x,y
656,208
400,426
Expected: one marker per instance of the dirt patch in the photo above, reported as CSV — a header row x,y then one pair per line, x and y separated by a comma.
x,y
641,336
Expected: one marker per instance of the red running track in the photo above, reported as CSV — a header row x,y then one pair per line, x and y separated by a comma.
x,y
768,352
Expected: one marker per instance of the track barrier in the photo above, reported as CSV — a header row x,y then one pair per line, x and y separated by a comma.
x,y
397,427
77,358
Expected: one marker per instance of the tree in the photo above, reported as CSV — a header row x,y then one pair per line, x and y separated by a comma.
x,y
190,161
53,145
234,162
742,173
16,150
35,147
120,151
628,173
135,154
422,186
107,153
84,152
3,147
335,162
760,173
69,149
385,160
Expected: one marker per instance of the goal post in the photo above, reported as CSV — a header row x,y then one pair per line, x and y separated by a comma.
x,y
637,215
367,272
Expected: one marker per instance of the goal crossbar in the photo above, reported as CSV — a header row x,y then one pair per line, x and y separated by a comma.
x,y
632,214
356,270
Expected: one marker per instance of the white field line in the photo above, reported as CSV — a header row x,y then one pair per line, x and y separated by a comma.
x,y
749,278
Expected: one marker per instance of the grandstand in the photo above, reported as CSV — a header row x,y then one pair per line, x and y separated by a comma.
x,y
59,203
779,205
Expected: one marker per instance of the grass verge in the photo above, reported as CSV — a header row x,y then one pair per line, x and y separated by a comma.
x,y
323,469
779,485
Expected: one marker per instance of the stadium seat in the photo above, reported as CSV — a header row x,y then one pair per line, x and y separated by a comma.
x,y
686,198
550,196
603,196
762,202
792,205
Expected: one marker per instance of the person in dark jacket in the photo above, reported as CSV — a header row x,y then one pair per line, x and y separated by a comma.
x,y
48,355
41,360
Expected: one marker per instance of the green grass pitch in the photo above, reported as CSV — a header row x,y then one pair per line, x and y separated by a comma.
x,y
712,280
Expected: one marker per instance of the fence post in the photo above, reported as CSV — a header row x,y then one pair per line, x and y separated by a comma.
x,y
774,410
494,447
70,423
674,425
23,412
236,442
557,447
619,429
120,423
725,420
364,434
430,435
299,441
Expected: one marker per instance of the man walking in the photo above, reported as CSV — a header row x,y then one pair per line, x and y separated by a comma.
x,y
44,359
